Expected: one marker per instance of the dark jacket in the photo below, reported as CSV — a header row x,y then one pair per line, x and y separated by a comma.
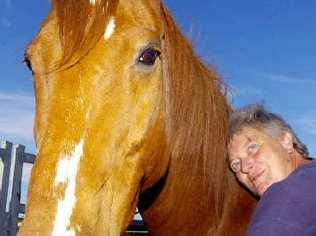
x,y
288,208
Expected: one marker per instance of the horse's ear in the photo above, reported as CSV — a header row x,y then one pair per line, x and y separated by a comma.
x,y
81,24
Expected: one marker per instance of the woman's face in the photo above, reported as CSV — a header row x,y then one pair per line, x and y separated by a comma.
x,y
258,159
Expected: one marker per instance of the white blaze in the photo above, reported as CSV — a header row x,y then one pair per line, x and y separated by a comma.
x,y
109,28
92,2
66,174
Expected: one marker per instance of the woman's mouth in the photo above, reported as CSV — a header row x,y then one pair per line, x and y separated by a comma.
x,y
258,181
255,177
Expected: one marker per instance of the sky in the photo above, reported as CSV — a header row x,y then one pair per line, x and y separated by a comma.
x,y
263,50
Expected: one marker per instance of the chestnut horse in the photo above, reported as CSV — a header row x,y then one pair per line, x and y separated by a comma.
x,y
127,116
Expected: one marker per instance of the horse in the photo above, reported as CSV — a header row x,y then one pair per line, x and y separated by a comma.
x,y
127,116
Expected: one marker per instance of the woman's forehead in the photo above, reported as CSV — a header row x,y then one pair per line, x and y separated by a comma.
x,y
243,137
248,134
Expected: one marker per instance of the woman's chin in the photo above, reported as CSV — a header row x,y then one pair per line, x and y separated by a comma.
x,y
262,188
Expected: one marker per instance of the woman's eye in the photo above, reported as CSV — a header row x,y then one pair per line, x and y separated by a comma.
x,y
252,148
235,165
148,56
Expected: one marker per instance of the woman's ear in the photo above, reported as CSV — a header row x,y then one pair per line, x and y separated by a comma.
x,y
287,142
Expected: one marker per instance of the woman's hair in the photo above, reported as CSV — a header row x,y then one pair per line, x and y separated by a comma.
x,y
255,115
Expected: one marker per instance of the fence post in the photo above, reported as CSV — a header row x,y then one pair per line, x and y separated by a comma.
x,y
16,189
5,166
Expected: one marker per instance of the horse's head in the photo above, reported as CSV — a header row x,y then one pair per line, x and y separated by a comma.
x,y
121,101
97,77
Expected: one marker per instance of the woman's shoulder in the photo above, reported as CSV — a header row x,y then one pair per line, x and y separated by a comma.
x,y
298,188
300,181
290,202
302,176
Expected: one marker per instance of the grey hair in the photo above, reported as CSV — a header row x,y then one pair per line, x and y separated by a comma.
x,y
255,115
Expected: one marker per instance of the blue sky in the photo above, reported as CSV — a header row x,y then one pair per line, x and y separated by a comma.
x,y
264,50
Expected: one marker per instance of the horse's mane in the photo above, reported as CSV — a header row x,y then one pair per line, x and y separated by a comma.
x,y
196,110
197,116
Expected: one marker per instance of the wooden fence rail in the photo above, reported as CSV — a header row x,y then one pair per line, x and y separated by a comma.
x,y
12,158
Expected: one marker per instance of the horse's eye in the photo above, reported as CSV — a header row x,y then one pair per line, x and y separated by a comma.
x,y
148,56
27,61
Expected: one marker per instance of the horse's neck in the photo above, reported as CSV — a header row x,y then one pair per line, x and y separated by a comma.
x,y
192,215
239,207
171,215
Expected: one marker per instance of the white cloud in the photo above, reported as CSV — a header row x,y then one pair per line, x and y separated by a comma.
x,y
16,125
19,98
285,78
16,118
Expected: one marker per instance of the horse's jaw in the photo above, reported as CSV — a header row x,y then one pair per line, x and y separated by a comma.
x,y
77,196
88,174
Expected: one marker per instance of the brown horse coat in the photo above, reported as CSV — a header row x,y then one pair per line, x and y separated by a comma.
x,y
127,114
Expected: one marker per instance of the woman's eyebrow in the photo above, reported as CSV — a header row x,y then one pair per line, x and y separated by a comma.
x,y
248,140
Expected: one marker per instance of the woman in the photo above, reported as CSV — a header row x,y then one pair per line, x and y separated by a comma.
x,y
269,159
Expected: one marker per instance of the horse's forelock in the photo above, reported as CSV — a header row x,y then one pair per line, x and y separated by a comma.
x,y
81,24
197,115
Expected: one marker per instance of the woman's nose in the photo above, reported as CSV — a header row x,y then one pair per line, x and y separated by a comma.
x,y
246,165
